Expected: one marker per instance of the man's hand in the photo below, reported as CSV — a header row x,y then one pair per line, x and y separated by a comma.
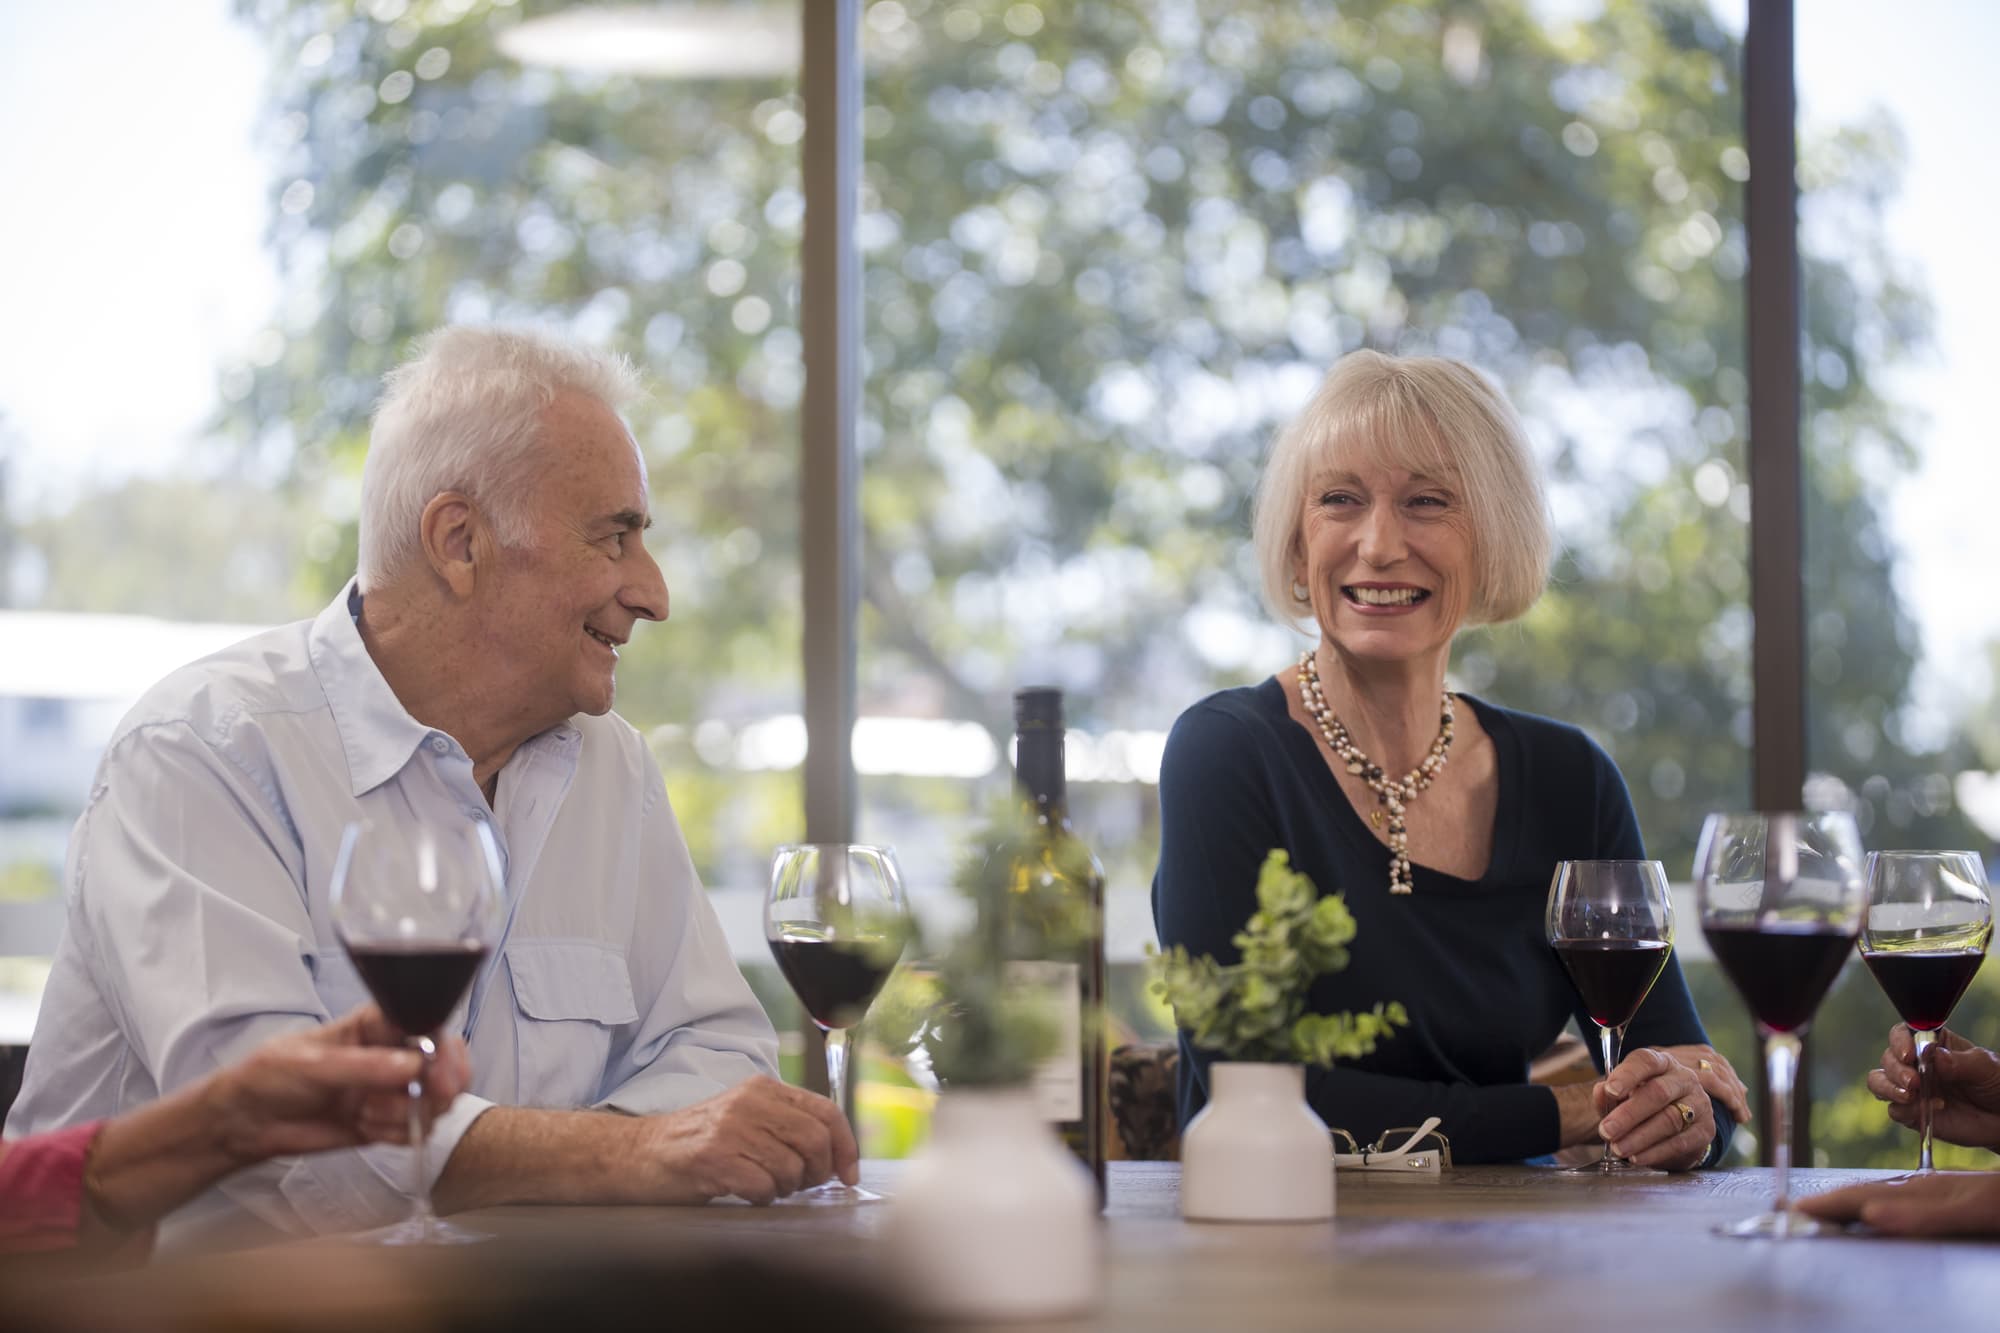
x,y
1939,1203
336,1086
1965,1087
759,1141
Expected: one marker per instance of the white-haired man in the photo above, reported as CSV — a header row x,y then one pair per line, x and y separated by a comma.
x,y
467,672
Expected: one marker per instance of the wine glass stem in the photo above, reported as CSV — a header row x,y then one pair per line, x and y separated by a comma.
x,y
1925,1040
1781,1061
836,1066
1614,1042
420,1185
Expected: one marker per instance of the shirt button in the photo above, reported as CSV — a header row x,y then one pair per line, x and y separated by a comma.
x,y
440,744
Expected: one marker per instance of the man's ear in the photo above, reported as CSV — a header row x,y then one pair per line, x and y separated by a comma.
x,y
452,533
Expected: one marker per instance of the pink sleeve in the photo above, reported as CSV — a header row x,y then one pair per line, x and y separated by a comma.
x,y
41,1188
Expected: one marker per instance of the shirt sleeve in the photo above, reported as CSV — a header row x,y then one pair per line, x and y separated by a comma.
x,y
700,1027
41,1188
187,902
1668,1016
1218,821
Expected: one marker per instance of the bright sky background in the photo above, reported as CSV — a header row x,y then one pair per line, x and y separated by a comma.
x,y
131,260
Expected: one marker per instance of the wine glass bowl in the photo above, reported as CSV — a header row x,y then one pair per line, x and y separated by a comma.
x,y
1781,899
1611,923
1924,933
836,920
418,907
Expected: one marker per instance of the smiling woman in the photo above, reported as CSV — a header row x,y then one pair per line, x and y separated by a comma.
x,y
1400,506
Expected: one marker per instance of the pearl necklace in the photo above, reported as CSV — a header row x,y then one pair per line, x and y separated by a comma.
x,y
1394,796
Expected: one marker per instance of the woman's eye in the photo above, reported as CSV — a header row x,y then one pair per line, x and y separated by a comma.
x,y
1332,498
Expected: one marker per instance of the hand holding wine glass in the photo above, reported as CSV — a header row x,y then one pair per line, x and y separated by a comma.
x,y
418,907
836,921
1924,935
1965,1087
1612,925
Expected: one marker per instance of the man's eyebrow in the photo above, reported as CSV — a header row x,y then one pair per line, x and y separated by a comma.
x,y
628,519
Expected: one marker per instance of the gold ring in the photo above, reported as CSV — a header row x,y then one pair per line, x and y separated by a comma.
x,y
1705,1064
1687,1113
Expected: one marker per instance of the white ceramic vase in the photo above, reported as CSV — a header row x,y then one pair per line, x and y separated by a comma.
x,y
994,1219
1257,1152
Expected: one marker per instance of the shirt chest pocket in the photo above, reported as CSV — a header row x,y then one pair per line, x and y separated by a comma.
x,y
570,996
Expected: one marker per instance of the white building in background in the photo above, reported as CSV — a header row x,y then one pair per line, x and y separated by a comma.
x,y
66,678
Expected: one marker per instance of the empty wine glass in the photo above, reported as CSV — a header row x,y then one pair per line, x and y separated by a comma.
x,y
1924,935
418,907
836,920
1612,925
1781,900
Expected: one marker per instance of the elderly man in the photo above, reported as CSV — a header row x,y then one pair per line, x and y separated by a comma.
x,y
466,673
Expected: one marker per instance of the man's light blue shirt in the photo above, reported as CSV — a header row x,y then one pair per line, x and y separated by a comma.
x,y
198,927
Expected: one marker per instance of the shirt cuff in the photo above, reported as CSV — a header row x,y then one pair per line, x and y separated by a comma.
x,y
349,1191
41,1181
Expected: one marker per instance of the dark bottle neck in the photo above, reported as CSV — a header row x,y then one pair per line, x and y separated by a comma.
x,y
1038,771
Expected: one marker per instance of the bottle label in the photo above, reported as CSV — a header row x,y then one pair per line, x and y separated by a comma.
x,y
1058,1080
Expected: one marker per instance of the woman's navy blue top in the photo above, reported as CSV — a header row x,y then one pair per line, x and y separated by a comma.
x,y
1469,959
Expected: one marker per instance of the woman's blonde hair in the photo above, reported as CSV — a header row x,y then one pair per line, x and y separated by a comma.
x,y
1427,415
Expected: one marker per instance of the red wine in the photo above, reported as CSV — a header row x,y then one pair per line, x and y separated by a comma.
x,y
835,980
1613,976
1782,974
1925,987
417,984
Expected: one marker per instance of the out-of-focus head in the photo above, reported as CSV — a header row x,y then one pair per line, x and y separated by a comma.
x,y
465,413
1396,423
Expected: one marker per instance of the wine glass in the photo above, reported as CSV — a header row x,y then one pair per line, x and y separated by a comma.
x,y
418,908
1781,901
1923,935
1612,925
836,921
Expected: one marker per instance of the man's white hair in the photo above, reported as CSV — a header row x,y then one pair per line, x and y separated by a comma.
x,y
463,413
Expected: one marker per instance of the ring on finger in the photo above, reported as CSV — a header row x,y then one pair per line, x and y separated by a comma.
x,y
1705,1064
1687,1113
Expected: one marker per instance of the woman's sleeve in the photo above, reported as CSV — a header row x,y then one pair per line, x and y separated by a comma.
x,y
41,1188
1217,824
1668,1016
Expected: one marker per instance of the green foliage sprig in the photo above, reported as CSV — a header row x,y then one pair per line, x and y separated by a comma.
x,y
1255,1009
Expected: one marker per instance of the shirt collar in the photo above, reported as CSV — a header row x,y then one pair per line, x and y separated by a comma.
x,y
377,734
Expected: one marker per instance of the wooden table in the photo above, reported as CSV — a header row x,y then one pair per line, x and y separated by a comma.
x,y
1478,1248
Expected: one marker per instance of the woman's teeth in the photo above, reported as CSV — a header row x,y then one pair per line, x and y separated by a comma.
x,y
1385,596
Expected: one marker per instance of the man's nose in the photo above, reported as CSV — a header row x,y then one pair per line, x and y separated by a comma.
x,y
645,594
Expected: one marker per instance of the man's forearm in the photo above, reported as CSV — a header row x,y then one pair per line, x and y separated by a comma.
x,y
514,1154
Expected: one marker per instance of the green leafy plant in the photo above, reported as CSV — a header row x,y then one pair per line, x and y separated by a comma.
x,y
967,1008
1255,1009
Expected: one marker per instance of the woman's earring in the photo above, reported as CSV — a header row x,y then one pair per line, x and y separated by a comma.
x,y
1300,592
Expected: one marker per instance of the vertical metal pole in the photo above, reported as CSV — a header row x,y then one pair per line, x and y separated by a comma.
x,y
1778,753
830,481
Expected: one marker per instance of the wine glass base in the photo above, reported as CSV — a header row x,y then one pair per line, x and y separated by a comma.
x,y
421,1231
1774,1225
831,1194
1610,1166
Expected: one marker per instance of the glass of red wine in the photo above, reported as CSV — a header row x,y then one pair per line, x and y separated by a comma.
x,y
1612,925
418,907
1781,901
836,920
1924,934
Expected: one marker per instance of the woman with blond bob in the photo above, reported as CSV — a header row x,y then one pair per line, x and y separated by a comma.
x,y
1401,506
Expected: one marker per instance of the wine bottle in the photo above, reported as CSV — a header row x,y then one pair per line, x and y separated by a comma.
x,y
1056,869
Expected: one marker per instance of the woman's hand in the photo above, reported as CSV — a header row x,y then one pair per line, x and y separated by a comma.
x,y
1656,1111
1965,1087
1937,1203
1718,1078
335,1086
